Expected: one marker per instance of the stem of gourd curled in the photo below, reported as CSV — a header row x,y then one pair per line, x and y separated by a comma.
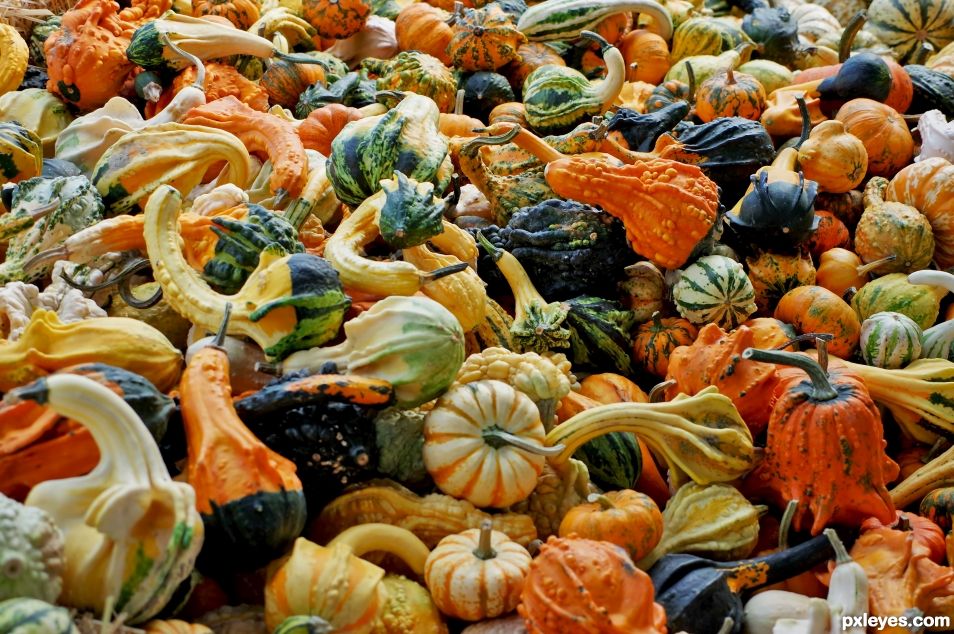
x,y
848,35
822,388
199,82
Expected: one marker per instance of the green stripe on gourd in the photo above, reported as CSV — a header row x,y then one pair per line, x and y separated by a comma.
x,y
566,19
939,342
893,293
933,90
21,152
705,36
715,289
906,25
890,340
32,616
614,460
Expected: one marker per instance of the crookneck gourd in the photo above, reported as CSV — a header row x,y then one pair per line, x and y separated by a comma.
x,y
829,422
131,533
290,302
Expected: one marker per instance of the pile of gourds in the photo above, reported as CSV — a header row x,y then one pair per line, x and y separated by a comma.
x,y
421,316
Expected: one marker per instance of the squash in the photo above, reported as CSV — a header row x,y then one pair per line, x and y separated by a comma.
x,y
285,81
39,111
99,519
484,91
426,28
529,57
704,36
322,125
558,98
884,133
890,340
599,334
714,289
833,158
772,275
24,615
848,480
21,153
646,55
816,309
714,359
908,25
932,90
928,186
656,340
242,13
894,293
892,229
576,583
771,75
625,518
14,60
477,574
566,19
938,506
643,289
830,233
838,271
336,19
730,94
479,429
415,72
483,39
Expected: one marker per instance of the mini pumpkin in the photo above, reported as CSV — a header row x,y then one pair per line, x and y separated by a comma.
x,y
833,158
241,13
772,275
484,39
477,574
838,271
646,55
884,133
730,94
625,518
817,309
889,229
336,19
656,340
426,28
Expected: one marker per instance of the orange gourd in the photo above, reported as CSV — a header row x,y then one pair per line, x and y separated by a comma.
x,y
625,518
336,19
321,126
284,81
714,358
817,309
646,55
657,338
829,233
883,132
825,445
730,94
833,158
484,39
530,56
612,388
768,332
241,13
924,530
838,271
425,28
612,28
221,80
774,274
581,585
928,186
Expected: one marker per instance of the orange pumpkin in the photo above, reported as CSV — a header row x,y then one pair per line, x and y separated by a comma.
x,y
833,158
817,309
882,131
768,332
321,126
838,271
656,339
612,28
425,28
336,19
509,112
924,530
646,55
625,518
241,13
928,186
730,94
612,388
285,81
773,274
829,233
484,39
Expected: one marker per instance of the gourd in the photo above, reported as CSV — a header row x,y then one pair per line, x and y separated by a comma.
x,y
566,19
838,271
657,339
405,139
714,444
714,358
414,343
770,74
809,425
557,98
936,136
847,588
928,186
248,496
772,275
765,611
884,133
260,133
483,91
464,293
477,574
417,72
110,562
336,19
37,110
13,61
483,39
24,615
170,154
242,13
302,624
895,293
890,340
646,55
478,432
530,56
431,517
816,309
704,36
289,302
714,289
932,90
713,521
626,518
600,334
152,44
909,25
643,290
424,27
32,553
833,158
892,229
938,506
730,95
21,153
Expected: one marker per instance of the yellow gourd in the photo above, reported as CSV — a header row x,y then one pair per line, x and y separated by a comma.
x,y
13,58
833,158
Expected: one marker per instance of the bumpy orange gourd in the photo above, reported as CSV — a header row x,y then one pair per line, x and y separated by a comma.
x,y
825,445
262,133
667,207
925,531
883,132
830,233
221,80
625,518
714,359
425,28
581,585
817,309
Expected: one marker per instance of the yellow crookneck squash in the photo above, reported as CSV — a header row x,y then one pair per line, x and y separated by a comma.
x,y
131,532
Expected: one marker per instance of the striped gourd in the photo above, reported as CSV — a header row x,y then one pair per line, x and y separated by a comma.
x,y
714,289
614,461
939,341
907,25
418,72
32,616
493,331
890,340
893,293
772,275
21,153
706,36
655,340
566,19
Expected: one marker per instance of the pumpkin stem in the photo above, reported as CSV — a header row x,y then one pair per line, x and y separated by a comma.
x,y
605,503
658,393
485,549
924,51
729,77
864,269
848,35
785,525
903,524
806,121
497,438
459,102
841,553
822,389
